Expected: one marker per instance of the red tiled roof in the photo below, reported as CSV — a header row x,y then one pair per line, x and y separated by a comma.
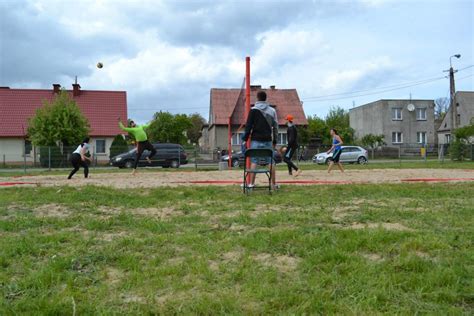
x,y
101,108
231,102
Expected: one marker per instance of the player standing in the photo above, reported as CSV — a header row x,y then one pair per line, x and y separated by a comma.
x,y
337,150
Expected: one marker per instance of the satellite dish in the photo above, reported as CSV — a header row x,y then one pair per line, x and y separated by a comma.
x,y
411,107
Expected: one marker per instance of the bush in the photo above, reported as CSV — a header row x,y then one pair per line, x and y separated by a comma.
x,y
119,146
457,150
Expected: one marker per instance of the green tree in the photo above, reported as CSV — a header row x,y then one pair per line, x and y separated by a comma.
x,y
194,131
119,145
372,141
169,128
58,121
317,128
338,118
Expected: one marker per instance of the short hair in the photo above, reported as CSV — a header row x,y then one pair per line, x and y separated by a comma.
x,y
130,122
261,96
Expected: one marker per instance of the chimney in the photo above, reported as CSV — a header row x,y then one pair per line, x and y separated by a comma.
x,y
272,87
56,88
76,89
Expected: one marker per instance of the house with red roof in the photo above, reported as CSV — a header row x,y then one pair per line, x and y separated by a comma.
x,y
227,113
101,108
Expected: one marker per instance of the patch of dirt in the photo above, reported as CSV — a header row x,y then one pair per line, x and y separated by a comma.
x,y
227,257
373,257
111,236
387,226
132,298
175,261
182,178
282,263
162,213
45,210
238,228
52,210
113,275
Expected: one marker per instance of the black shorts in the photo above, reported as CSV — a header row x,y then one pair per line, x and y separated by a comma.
x,y
336,155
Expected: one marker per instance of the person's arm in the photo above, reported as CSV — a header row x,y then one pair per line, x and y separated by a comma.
x,y
126,129
83,154
144,126
339,139
275,132
249,125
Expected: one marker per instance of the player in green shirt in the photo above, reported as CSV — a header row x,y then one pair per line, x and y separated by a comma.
x,y
138,131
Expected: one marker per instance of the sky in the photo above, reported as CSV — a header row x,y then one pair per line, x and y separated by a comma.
x,y
167,55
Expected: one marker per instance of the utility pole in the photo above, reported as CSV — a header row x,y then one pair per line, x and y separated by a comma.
x,y
452,101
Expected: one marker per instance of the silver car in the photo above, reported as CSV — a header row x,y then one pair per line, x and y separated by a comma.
x,y
350,154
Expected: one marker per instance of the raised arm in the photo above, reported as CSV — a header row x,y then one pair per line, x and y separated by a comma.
x,y
123,128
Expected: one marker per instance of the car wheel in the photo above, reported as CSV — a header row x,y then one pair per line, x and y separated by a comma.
x,y
174,164
129,164
235,163
362,161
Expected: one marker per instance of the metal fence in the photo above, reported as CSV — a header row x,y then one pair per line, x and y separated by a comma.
x,y
193,157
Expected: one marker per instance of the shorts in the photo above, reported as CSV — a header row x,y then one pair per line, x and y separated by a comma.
x,y
255,144
336,155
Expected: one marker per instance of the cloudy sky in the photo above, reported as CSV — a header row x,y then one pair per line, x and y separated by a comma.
x,y
168,54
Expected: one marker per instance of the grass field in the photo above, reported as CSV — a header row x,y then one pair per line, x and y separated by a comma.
x,y
391,248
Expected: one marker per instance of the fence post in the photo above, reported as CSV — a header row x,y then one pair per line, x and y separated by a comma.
x,y
179,155
4,161
426,152
195,160
400,155
49,158
24,160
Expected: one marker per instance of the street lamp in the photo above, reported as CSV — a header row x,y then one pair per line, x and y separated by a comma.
x,y
457,56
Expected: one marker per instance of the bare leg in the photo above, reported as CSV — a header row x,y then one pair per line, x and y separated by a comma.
x,y
134,172
253,166
339,165
331,164
273,175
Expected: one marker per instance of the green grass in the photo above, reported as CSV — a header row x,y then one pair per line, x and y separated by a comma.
x,y
213,251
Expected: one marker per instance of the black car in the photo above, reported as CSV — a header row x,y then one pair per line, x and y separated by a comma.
x,y
167,155
238,158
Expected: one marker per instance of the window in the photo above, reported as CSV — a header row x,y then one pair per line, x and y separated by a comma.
x,y
28,147
448,138
458,120
100,146
421,114
421,137
237,138
397,114
397,137
282,139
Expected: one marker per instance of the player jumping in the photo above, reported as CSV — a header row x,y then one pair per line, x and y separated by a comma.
x,y
138,131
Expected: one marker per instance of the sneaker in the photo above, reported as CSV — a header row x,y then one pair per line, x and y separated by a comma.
x,y
149,160
276,187
250,186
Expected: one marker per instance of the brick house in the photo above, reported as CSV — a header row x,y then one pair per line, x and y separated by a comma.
x,y
101,108
229,104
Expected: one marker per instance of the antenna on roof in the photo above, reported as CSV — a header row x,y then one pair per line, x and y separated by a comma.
x,y
353,104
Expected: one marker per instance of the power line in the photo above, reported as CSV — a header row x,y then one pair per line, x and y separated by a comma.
x,y
401,85
373,93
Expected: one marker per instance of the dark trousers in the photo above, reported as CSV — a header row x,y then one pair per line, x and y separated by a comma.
x,y
142,146
290,151
77,163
